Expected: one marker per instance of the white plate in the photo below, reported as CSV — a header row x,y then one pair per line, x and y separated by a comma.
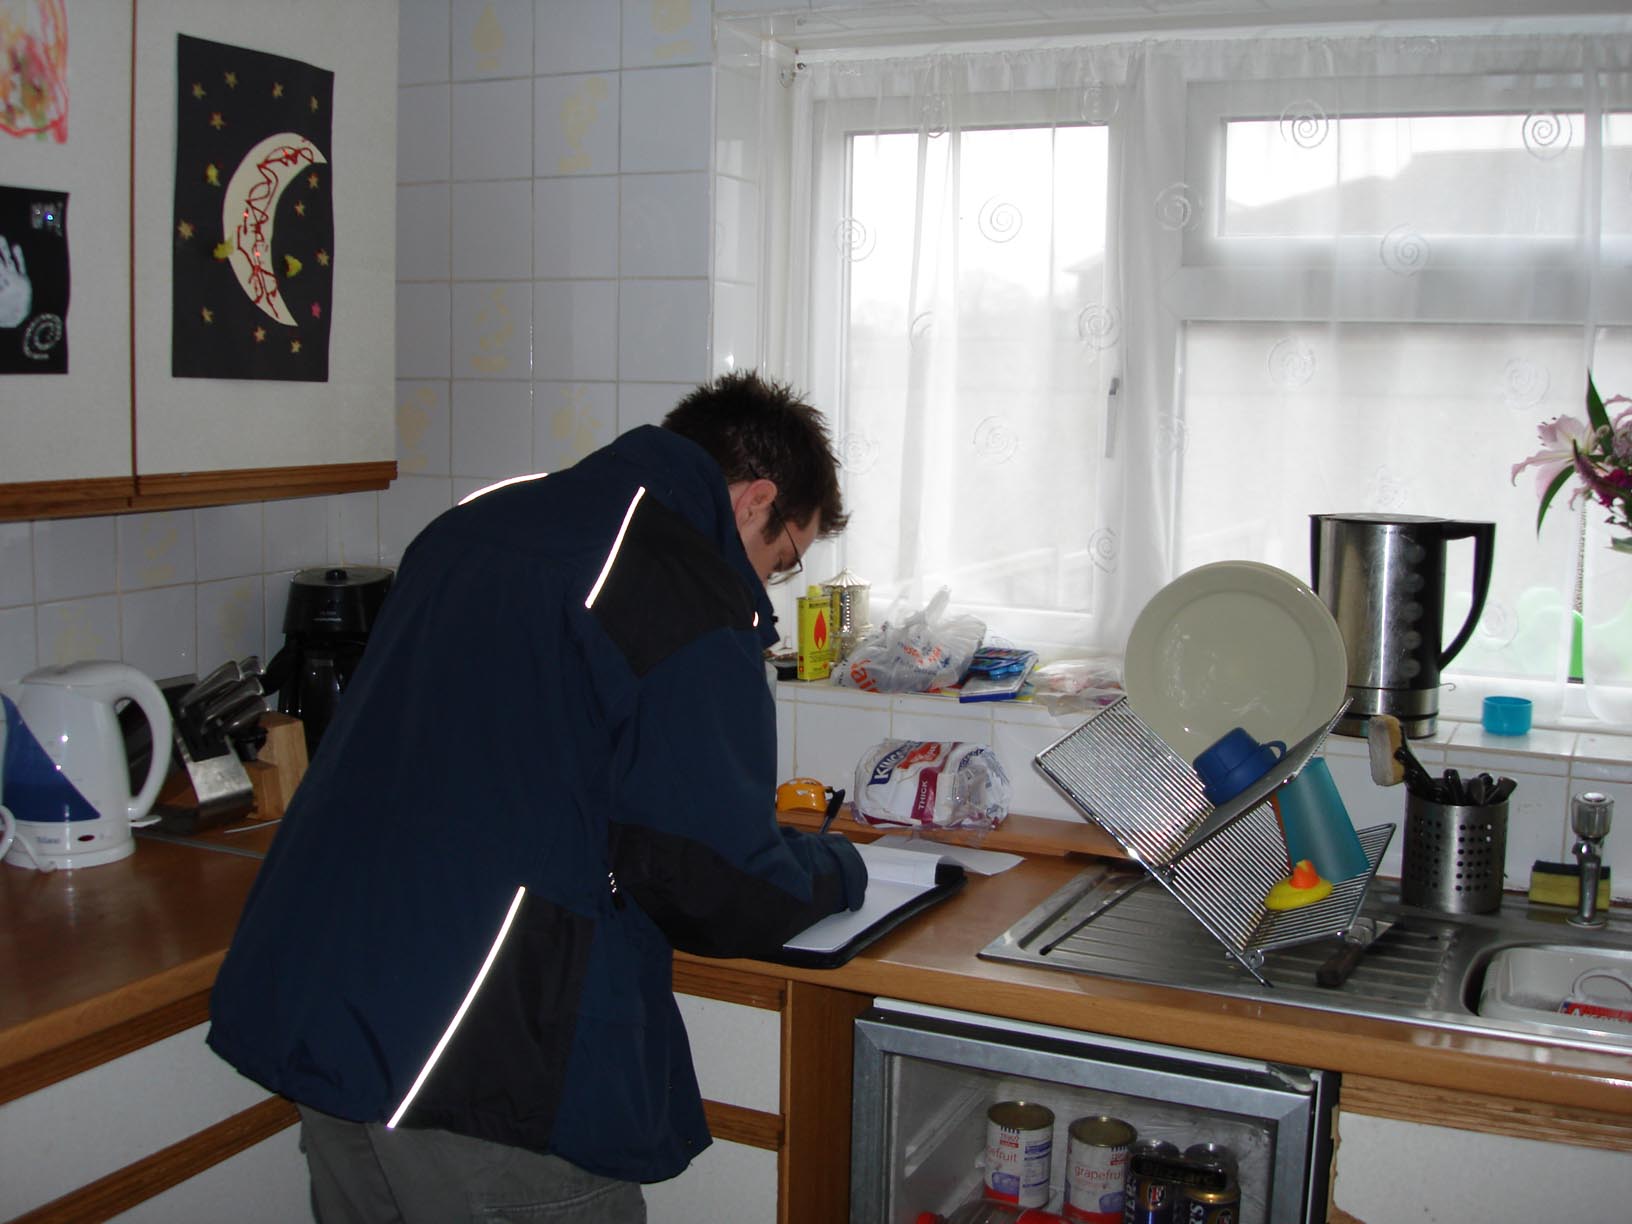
x,y
1234,644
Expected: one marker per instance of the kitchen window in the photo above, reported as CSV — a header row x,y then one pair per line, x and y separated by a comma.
x,y
1088,317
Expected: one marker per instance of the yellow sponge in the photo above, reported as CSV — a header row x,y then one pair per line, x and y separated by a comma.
x,y
1560,884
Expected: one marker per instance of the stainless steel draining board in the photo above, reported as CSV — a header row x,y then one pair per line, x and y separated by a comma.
x,y
1219,863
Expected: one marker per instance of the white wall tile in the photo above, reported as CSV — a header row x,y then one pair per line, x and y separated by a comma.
x,y
422,41
736,229
424,133
405,508
16,564
575,227
1017,745
492,330
575,124
786,734
577,325
663,330
423,428
648,403
231,621
659,32
156,550
274,605
424,213
575,36
17,655
297,534
736,327
737,135
158,631
423,319
74,557
492,429
835,727
228,540
77,629
663,227
492,130
666,119
571,419
493,230
354,528
923,717
491,38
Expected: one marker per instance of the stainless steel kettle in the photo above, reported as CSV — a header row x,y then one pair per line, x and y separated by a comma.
x,y
1382,576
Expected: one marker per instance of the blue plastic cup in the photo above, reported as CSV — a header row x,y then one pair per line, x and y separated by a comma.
x,y
1317,824
1507,715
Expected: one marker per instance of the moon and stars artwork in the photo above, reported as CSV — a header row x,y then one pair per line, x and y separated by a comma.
x,y
253,240
33,281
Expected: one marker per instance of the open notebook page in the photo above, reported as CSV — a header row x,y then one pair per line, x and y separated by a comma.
x,y
894,878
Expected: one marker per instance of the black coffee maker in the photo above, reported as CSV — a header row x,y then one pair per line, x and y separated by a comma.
x,y
325,627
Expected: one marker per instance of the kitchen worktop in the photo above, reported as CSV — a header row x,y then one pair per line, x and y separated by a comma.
x,y
103,960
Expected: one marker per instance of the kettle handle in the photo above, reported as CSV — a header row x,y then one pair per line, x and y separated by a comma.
x,y
121,682
1484,559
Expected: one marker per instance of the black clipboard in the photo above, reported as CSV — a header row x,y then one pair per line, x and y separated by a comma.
x,y
949,878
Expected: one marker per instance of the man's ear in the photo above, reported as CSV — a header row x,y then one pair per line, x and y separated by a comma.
x,y
752,500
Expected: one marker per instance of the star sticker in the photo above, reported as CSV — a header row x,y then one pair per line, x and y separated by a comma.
x,y
294,346
222,250
198,89
185,229
260,335
317,310
207,315
313,105
216,121
231,78
277,89
212,175
311,180
300,208
322,258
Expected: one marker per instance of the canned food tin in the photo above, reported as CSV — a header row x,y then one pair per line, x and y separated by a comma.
x,y
1019,1152
1204,1206
1147,1199
1096,1169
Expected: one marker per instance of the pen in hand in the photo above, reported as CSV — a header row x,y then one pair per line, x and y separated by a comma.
x,y
834,800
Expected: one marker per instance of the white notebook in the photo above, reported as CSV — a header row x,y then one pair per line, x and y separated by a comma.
x,y
896,879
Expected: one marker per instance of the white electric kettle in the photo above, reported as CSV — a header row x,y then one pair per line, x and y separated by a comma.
x,y
64,772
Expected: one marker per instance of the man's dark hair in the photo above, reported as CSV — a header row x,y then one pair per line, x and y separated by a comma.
x,y
757,428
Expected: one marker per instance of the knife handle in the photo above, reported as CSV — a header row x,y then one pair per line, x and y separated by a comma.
x,y
1340,964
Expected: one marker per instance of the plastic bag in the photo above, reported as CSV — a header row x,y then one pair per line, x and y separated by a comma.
x,y
1074,686
929,784
927,650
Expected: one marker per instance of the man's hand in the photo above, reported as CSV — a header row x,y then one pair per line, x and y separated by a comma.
x,y
16,293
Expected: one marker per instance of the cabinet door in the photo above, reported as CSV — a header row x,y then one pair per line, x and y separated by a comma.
x,y
73,425
210,424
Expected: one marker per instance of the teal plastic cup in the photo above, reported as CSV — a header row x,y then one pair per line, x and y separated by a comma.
x,y
1506,716
1317,824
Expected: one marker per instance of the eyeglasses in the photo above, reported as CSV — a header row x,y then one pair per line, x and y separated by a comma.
x,y
798,566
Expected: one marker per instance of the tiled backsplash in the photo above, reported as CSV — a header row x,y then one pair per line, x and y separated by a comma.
x,y
823,730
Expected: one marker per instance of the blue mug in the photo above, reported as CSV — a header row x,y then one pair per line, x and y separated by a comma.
x,y
1233,763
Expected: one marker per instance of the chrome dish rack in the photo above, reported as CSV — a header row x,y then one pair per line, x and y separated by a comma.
x,y
1220,862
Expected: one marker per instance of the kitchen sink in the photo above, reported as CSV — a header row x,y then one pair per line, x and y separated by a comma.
x,y
1426,967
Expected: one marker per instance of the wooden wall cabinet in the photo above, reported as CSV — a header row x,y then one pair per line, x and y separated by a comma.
x,y
117,432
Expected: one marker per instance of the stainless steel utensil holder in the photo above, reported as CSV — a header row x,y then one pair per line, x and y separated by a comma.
x,y
1453,856
1218,862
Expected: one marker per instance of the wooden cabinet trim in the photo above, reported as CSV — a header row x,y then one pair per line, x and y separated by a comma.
x,y
739,1124
712,981
187,490
1488,1115
124,1188
818,1038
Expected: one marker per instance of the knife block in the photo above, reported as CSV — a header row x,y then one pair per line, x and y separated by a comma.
x,y
279,765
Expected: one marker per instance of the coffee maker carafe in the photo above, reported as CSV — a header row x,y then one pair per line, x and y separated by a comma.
x,y
1382,576
325,625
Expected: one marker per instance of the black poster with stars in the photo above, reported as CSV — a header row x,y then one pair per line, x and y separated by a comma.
x,y
254,227
33,281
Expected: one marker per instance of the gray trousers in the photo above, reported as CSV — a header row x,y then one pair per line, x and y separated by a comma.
x,y
363,1173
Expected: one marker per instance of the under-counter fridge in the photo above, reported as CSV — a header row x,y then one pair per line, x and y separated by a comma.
x,y
926,1080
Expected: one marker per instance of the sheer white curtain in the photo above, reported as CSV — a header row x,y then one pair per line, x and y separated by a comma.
x,y
1090,316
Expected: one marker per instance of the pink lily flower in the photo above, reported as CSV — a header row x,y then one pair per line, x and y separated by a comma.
x,y
1560,438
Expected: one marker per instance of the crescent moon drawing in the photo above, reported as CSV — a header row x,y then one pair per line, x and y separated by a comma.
x,y
250,203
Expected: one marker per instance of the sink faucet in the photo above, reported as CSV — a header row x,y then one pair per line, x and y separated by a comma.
x,y
1590,814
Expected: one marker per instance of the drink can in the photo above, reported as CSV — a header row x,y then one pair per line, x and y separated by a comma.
x,y
1019,1152
1208,1206
1214,1154
1096,1169
1147,1197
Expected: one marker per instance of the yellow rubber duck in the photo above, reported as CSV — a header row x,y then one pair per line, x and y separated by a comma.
x,y
1303,887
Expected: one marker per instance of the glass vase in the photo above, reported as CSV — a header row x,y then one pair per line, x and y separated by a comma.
x,y
1606,608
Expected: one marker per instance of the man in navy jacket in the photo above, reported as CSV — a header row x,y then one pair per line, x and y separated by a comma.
x,y
554,765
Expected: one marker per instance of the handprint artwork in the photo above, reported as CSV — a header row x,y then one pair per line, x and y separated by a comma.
x,y
33,281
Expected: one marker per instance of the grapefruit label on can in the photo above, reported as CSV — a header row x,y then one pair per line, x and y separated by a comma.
x,y
1019,1152
1096,1169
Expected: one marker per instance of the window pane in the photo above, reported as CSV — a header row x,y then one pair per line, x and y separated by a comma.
x,y
977,349
1486,175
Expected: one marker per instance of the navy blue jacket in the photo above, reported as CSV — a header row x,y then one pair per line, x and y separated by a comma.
x,y
554,765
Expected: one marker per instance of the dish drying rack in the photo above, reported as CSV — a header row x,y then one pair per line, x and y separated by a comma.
x,y
1220,862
